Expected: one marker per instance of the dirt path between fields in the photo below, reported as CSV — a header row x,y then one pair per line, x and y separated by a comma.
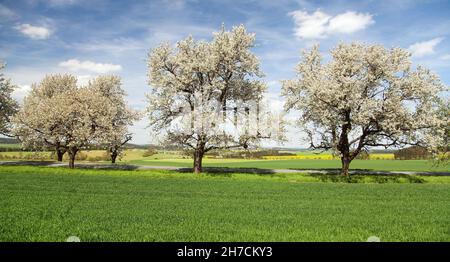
x,y
220,169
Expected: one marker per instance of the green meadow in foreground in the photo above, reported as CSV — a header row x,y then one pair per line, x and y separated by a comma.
x,y
51,204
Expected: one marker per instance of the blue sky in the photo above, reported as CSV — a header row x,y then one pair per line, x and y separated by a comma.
x,y
88,37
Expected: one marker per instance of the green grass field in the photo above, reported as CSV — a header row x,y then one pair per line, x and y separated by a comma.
x,y
172,158
51,204
387,165
17,146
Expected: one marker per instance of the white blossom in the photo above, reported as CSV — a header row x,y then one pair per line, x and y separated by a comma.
x,y
202,93
60,115
8,106
365,96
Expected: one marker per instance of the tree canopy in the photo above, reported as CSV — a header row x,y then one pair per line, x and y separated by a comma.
x,y
8,106
59,114
203,92
366,96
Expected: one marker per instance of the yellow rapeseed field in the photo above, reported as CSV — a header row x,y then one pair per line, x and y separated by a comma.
x,y
325,157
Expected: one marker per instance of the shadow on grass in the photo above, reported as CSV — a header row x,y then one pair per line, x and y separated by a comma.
x,y
106,166
369,178
330,171
227,171
337,171
27,163
328,175
65,164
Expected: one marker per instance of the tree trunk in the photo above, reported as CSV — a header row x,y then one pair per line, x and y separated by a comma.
x,y
72,161
344,145
113,157
345,165
60,154
72,155
59,151
224,110
198,157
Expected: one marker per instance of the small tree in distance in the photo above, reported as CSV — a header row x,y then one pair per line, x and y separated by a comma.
x,y
366,96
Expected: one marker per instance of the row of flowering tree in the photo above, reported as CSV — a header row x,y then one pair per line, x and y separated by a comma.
x,y
58,114
366,96
209,95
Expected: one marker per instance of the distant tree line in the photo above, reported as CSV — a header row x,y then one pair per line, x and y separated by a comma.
x,y
411,153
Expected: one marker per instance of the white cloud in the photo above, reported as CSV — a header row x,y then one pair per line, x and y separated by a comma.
x,y
99,68
310,26
445,57
349,22
319,24
20,92
34,32
424,48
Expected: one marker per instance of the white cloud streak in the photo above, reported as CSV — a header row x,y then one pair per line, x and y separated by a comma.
x,y
34,32
310,26
349,22
319,25
89,66
424,48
